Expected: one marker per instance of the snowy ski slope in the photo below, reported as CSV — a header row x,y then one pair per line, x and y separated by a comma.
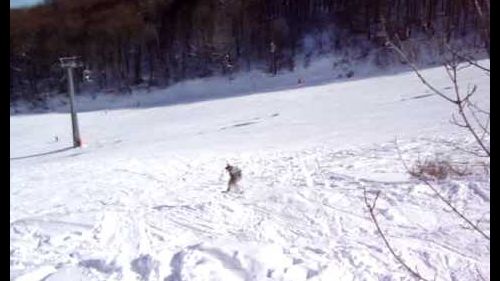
x,y
142,199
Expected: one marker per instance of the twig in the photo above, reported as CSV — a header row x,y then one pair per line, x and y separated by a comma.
x,y
455,210
470,93
457,171
471,152
455,122
479,123
459,68
468,60
371,207
451,69
441,197
415,69
457,147
480,220
479,274
459,103
480,109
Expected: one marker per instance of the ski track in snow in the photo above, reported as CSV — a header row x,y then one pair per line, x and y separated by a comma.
x,y
143,214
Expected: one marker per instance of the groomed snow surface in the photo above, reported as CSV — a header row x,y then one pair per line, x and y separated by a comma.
x,y
142,199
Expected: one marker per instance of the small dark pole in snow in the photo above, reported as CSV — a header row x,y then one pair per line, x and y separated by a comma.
x,y
69,63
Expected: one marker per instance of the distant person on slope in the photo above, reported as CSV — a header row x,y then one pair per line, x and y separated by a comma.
x,y
234,177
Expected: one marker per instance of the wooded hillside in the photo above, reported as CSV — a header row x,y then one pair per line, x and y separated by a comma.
x,y
157,42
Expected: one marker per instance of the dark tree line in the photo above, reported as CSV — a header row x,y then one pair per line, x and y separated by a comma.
x,y
158,42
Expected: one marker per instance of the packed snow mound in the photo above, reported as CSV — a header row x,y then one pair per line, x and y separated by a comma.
x,y
142,200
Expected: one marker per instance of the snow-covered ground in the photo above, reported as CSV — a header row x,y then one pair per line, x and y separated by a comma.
x,y
142,199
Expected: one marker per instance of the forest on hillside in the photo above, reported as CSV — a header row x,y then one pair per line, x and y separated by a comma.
x,y
158,42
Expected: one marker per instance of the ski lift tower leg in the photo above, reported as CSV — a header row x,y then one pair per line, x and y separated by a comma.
x,y
70,64
74,119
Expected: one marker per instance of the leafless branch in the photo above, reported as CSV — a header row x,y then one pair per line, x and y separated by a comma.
x,y
475,153
484,127
470,92
457,171
371,208
479,274
486,131
467,151
463,66
454,121
480,220
441,197
451,67
466,122
480,110
465,58
486,168
415,69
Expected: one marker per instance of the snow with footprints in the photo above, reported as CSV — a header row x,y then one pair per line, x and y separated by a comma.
x,y
142,199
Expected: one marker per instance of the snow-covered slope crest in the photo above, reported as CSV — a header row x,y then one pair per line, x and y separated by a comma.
x,y
142,200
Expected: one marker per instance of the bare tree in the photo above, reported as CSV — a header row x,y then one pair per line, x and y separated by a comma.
x,y
471,117
468,111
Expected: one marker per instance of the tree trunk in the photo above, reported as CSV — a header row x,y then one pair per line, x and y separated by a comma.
x,y
137,65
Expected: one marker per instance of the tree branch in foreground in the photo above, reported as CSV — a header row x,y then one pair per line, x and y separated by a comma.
x,y
467,59
441,197
371,208
451,68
